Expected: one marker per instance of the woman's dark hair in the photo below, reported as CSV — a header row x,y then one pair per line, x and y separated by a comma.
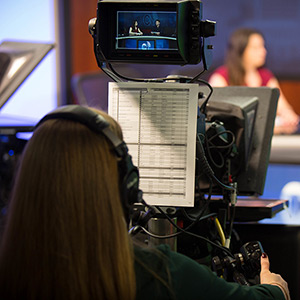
x,y
65,235
134,26
237,44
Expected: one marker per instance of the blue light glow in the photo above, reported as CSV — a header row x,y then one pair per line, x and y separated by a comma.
x,y
11,152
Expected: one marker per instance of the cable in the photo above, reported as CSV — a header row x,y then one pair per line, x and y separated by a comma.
x,y
143,220
102,65
115,76
137,228
209,169
230,226
202,159
124,77
210,145
190,218
227,251
220,231
111,72
203,106
218,225
199,218
197,76
220,133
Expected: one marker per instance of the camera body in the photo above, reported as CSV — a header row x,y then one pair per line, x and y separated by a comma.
x,y
156,32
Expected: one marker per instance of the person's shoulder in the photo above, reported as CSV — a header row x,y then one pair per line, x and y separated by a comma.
x,y
161,252
190,280
153,255
265,70
266,75
221,70
181,264
175,261
219,77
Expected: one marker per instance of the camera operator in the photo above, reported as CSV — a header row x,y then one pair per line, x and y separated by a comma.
x,y
66,236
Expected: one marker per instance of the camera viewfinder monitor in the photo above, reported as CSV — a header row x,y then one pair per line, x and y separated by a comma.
x,y
166,32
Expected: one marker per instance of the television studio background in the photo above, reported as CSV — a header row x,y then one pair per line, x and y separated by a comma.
x,y
53,82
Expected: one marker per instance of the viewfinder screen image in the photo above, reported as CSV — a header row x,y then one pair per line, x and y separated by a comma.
x,y
144,30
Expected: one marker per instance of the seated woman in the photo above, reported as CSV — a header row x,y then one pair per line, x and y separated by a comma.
x,y
66,235
134,29
245,58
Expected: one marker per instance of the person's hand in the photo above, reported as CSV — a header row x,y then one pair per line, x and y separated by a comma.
x,y
286,124
267,277
287,120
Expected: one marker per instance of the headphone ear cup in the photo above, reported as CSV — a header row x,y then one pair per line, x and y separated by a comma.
x,y
129,182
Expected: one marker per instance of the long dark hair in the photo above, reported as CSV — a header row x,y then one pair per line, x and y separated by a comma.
x,y
66,236
237,44
135,26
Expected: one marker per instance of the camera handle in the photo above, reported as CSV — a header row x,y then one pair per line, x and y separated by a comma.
x,y
228,265
244,267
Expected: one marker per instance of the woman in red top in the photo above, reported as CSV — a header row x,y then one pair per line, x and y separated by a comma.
x,y
246,55
134,29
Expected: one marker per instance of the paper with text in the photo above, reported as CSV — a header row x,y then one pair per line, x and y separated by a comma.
x,y
159,127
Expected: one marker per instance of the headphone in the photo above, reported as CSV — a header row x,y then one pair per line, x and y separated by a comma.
x,y
128,172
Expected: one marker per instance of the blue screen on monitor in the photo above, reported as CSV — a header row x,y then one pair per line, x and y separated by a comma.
x,y
146,30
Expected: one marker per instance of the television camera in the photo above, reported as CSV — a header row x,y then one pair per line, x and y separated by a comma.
x,y
231,135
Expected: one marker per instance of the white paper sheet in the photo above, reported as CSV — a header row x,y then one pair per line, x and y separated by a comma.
x,y
159,127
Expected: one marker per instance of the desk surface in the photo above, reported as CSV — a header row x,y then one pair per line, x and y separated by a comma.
x,y
285,149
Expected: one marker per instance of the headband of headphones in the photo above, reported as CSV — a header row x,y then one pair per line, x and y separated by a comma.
x,y
128,173
89,118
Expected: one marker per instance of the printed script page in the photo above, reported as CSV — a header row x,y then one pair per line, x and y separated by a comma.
x,y
159,127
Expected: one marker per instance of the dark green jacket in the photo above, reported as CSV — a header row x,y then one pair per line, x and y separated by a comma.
x,y
164,274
